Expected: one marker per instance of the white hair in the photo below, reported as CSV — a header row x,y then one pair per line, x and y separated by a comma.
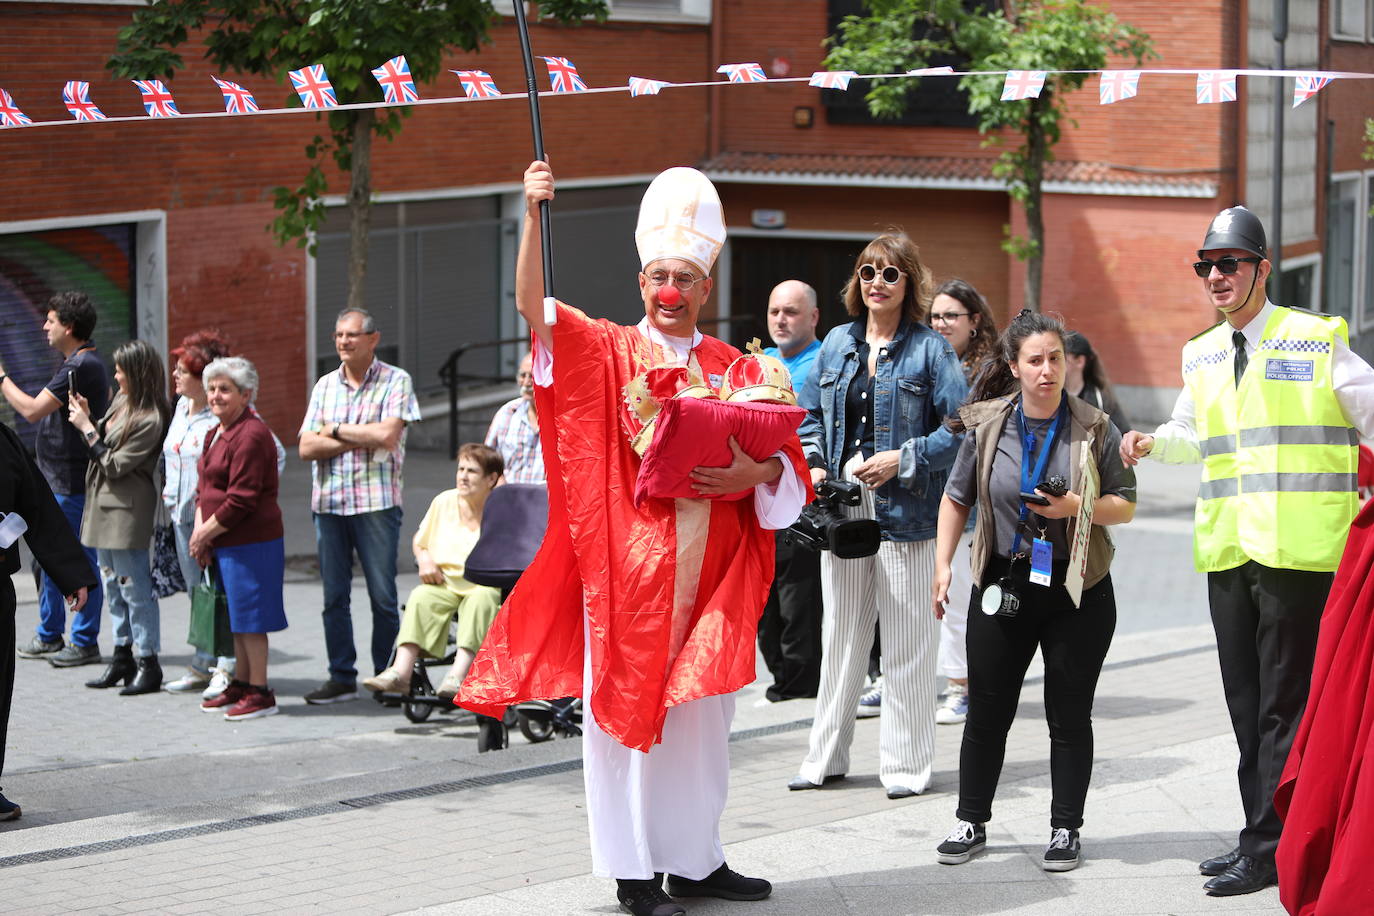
x,y
237,370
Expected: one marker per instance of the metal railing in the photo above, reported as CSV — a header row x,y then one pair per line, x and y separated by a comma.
x,y
453,379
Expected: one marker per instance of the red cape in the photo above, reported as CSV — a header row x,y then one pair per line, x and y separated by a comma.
x,y
1324,797
620,560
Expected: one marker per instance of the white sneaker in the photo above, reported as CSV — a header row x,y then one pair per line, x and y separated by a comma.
x,y
219,679
954,709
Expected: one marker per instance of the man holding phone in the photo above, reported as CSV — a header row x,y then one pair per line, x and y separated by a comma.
x,y
62,458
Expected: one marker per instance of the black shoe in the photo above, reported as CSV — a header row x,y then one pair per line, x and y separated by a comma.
x,y
121,668
1245,876
895,792
332,691
646,898
73,655
1218,864
722,883
965,841
1064,851
9,811
800,783
148,678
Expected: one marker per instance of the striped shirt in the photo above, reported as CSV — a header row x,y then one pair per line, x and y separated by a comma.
x,y
360,479
517,439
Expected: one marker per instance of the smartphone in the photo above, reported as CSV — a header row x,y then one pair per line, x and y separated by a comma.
x,y
1036,499
71,384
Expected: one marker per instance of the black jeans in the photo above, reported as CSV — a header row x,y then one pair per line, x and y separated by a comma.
x,y
790,628
7,649
1073,641
1266,623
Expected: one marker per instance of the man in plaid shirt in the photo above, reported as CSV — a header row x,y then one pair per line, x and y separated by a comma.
x,y
514,431
354,432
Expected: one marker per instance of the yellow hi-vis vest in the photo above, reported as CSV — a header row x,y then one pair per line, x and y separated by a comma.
x,y
1279,457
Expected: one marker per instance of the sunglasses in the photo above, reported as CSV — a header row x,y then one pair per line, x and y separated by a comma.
x,y
1227,265
890,274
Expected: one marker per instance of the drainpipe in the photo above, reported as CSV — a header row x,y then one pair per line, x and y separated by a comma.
x,y
1280,36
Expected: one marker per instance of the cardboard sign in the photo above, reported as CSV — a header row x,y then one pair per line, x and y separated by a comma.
x,y
1088,485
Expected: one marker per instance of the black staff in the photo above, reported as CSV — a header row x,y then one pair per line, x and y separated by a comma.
x,y
545,230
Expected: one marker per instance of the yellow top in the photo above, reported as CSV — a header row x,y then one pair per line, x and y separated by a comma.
x,y
448,540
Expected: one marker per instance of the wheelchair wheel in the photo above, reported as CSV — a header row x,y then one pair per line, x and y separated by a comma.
x,y
419,687
417,712
535,731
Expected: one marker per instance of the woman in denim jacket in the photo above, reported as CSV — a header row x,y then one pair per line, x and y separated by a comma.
x,y
876,403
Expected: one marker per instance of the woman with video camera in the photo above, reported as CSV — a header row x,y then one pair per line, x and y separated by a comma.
x,y
1022,464
876,402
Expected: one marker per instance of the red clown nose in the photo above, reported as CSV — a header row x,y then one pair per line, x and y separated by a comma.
x,y
669,295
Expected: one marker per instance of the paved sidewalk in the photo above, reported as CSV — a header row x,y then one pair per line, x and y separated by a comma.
x,y
504,833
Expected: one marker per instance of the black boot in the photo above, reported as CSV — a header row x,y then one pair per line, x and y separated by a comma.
x,y
147,680
121,668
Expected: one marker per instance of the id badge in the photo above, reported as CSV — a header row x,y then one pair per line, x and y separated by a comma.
x,y
1042,561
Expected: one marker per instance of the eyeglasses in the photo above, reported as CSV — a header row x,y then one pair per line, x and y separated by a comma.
x,y
947,317
683,281
890,274
1227,265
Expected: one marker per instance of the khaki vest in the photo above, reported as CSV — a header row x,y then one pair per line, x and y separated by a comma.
x,y
1279,458
1086,424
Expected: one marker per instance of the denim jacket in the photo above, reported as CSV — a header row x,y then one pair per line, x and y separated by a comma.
x,y
922,377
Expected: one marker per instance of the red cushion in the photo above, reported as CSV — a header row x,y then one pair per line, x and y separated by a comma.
x,y
693,432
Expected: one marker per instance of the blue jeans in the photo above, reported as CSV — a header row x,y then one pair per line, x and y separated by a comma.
x,y
134,615
52,606
191,572
375,536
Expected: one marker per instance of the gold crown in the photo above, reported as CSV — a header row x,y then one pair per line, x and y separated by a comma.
x,y
758,377
646,392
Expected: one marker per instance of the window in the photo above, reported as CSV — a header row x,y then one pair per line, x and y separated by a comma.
x,y
1367,207
1297,284
1348,19
937,102
1342,227
661,10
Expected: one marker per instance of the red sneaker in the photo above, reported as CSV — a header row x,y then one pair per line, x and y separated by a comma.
x,y
256,703
231,695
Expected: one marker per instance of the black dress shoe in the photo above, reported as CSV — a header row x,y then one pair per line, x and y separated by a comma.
x,y
723,883
1245,876
1218,864
646,898
799,783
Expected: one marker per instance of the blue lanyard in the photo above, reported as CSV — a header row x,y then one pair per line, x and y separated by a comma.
x,y
1032,467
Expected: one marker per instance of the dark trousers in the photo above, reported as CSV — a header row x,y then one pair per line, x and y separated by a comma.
x,y
7,648
1073,641
790,628
1266,624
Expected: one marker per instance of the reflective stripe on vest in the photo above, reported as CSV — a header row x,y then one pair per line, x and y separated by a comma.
x,y
1279,458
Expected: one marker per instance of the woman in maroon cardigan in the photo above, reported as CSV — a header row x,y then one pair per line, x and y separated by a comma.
x,y
238,526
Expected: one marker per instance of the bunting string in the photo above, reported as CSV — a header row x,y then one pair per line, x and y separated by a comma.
x,y
317,94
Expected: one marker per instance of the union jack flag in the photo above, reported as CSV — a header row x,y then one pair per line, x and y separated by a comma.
x,y
641,86
76,95
832,79
563,75
477,84
1216,86
157,101
1308,86
743,73
237,100
312,85
397,86
10,115
1023,84
1116,85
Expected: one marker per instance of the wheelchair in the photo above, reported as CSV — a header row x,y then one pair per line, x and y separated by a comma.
x,y
513,524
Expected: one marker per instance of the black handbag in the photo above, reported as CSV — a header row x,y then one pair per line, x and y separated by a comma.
x,y
209,629
166,565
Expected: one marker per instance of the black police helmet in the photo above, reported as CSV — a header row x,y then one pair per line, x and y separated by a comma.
x,y
1235,227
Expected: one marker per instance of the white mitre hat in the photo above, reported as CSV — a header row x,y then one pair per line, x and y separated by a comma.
x,y
680,217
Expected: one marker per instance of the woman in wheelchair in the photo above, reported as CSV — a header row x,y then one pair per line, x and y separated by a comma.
x,y
446,536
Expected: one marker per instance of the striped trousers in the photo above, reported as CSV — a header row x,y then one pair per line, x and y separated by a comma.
x,y
891,587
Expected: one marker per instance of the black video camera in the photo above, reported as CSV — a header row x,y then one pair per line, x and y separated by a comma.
x,y
823,526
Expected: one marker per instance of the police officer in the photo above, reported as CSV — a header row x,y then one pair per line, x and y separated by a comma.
x,y
1272,402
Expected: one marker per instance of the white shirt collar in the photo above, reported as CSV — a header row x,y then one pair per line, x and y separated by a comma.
x,y
1254,329
679,345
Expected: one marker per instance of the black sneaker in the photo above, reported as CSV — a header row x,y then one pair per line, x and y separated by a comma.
x,y
40,648
332,692
964,842
646,898
1063,853
723,883
71,656
9,811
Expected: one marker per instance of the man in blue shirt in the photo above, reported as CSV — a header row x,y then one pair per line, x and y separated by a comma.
x,y
790,629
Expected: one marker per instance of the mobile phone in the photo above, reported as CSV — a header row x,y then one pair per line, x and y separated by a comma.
x,y
71,382
1037,499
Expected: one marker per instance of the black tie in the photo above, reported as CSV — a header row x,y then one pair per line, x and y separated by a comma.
x,y
1241,359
